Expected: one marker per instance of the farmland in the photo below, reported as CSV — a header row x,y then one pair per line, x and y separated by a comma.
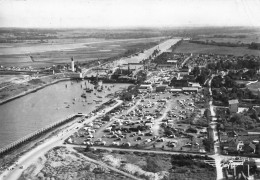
x,y
60,51
187,47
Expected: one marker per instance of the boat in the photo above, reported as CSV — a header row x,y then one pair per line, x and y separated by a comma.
x,y
88,90
89,103
99,96
83,95
68,106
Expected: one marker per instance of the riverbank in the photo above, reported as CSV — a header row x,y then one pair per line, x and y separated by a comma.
x,y
31,90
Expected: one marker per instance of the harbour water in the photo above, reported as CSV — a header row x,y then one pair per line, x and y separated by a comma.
x,y
29,113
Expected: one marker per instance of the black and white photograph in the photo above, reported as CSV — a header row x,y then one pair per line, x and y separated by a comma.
x,y
129,89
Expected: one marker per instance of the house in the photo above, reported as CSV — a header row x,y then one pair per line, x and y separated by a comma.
x,y
190,89
191,84
249,148
179,83
145,88
160,88
166,66
233,105
175,90
134,66
233,146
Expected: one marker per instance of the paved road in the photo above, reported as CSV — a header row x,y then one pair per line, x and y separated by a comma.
x,y
137,150
32,155
213,124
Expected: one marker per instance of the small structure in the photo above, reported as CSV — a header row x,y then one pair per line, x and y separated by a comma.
x,y
175,90
160,88
145,88
233,105
190,89
179,83
166,66
72,65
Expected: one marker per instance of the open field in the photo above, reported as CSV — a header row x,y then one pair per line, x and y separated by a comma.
x,y
62,51
246,38
61,163
187,47
155,166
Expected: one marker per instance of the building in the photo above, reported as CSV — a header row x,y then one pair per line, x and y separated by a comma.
x,y
190,89
233,105
179,83
134,66
76,75
166,66
197,85
145,88
160,88
175,90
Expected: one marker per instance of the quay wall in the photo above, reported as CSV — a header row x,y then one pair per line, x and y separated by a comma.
x,y
41,131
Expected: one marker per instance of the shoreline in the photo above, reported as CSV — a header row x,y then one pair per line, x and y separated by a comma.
x,y
32,91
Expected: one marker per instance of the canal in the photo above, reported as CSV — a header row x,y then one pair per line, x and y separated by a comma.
x,y
29,113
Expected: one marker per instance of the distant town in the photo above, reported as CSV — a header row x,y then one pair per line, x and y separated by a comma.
x,y
204,107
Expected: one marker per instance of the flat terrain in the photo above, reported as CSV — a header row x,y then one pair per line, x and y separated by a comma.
x,y
234,38
61,163
156,112
187,47
62,50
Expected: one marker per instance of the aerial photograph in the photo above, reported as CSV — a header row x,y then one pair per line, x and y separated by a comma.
x,y
129,89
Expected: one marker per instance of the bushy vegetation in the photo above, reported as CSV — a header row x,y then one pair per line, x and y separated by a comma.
x,y
131,91
154,164
190,167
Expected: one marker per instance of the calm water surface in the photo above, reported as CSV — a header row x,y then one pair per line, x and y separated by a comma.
x,y
36,110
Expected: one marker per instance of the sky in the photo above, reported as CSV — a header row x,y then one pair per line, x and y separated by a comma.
x,y
128,13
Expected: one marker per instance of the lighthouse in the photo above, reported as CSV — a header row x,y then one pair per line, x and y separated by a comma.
x,y
72,65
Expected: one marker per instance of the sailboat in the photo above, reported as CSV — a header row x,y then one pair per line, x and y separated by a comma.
x,y
83,95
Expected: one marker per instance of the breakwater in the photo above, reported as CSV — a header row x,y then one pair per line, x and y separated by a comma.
x,y
37,133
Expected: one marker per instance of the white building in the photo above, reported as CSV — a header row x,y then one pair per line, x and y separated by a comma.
x,y
145,88
233,105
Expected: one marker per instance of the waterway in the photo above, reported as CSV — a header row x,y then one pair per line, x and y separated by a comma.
x,y
36,110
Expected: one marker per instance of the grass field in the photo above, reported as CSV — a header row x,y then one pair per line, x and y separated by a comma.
x,y
45,54
249,38
187,47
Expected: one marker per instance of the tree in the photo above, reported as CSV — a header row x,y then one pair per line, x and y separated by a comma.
x,y
106,118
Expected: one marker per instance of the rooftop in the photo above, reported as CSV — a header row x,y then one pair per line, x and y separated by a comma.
x,y
233,101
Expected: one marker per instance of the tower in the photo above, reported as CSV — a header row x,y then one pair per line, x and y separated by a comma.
x,y
72,65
